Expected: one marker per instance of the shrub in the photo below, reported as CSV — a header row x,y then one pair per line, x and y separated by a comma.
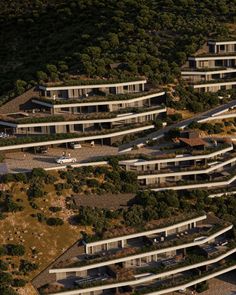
x,y
33,205
18,283
53,221
27,266
128,188
15,250
6,290
35,191
201,287
38,172
3,265
59,187
5,278
11,206
92,182
55,209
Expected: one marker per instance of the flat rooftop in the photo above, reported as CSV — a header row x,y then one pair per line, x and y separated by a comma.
x,y
76,82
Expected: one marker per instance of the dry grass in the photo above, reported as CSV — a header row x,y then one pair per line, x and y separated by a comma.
x,y
48,241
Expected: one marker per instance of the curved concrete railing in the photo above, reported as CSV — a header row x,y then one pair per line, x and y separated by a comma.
x,y
106,84
149,232
77,139
194,282
218,117
97,103
87,121
196,185
222,194
146,278
210,57
199,72
190,172
137,162
141,255
197,86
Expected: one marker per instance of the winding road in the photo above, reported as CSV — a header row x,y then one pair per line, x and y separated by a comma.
x,y
160,133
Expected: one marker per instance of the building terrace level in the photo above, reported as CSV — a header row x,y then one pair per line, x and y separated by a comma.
x,y
78,88
123,239
90,84
97,100
148,278
178,158
203,238
212,57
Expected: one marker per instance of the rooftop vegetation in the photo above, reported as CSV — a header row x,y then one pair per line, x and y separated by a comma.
x,y
145,249
190,260
96,98
61,136
83,116
184,279
77,82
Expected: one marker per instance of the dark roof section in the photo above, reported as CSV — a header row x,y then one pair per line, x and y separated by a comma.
x,y
193,141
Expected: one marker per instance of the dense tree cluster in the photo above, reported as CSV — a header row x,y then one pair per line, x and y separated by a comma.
x,y
46,40
149,206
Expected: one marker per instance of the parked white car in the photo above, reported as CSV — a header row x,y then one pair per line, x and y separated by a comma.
x,y
75,145
65,160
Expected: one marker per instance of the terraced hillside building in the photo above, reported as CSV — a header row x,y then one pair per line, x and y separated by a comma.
x,y
162,259
103,111
214,69
186,168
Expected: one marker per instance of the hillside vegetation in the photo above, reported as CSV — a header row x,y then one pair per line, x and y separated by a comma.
x,y
44,39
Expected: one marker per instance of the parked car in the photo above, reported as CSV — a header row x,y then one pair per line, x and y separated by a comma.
x,y
3,135
65,160
75,145
41,149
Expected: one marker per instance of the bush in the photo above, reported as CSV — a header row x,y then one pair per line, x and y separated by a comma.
x,y
18,283
55,209
201,287
53,221
6,290
128,188
11,206
15,250
27,266
38,172
5,278
35,191
92,182
3,251
3,265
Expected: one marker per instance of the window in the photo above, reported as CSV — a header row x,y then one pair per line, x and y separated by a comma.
x,y
38,129
222,48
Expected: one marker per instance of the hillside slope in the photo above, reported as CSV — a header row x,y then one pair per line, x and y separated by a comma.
x,y
150,37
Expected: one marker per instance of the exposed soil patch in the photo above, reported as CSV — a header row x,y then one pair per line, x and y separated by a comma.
x,y
109,201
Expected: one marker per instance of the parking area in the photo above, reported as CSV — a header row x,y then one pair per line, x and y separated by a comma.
x,y
18,161
24,161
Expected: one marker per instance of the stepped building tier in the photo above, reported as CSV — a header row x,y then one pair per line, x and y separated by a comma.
x,y
191,163
214,69
177,254
103,111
